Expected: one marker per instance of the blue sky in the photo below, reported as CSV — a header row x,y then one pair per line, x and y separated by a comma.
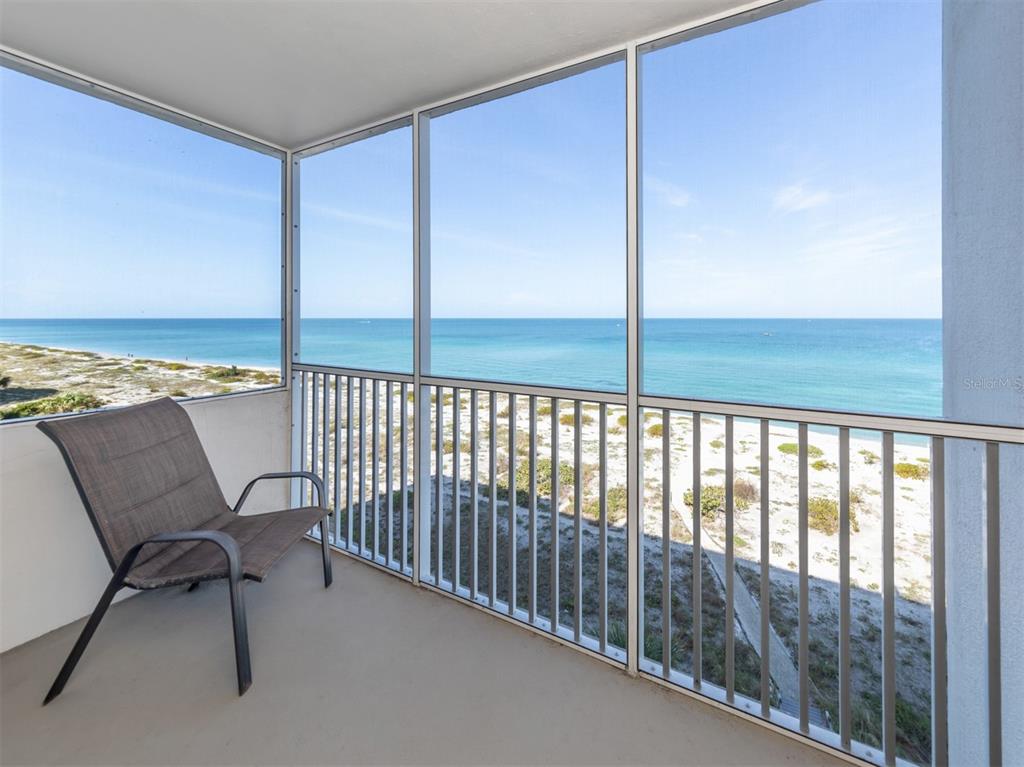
x,y
106,212
792,167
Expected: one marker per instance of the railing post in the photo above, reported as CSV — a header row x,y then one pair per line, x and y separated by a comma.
x,y
421,344
634,338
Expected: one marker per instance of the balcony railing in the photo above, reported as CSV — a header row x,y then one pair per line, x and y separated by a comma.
x,y
819,602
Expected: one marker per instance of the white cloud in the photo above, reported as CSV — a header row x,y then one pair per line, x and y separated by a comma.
x,y
796,197
876,240
671,194
354,217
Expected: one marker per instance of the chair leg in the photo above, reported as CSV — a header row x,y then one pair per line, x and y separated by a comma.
x,y
243,664
192,586
83,639
326,548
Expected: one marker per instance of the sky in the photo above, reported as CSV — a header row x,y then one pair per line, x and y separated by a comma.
x,y
107,212
791,168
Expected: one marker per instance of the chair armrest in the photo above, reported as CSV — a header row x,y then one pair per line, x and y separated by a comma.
x,y
226,543
317,483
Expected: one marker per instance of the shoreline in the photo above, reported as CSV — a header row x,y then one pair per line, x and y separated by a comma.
x,y
47,380
133,357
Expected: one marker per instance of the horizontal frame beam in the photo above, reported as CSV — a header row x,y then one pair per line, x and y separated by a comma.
x,y
29,65
903,425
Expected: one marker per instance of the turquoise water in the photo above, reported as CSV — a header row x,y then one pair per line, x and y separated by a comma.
x,y
882,366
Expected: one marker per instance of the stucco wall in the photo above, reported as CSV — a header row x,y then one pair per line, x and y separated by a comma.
x,y
983,338
52,570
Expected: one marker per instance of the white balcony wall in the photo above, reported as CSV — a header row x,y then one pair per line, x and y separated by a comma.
x,y
983,319
52,569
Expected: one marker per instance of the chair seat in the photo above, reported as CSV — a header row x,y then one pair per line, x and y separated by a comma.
x,y
262,538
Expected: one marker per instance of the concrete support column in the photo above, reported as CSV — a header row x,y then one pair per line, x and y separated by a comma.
x,y
983,345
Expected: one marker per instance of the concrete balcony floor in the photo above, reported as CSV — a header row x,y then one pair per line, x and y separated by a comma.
x,y
372,671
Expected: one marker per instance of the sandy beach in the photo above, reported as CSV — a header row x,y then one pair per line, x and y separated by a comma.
x,y
49,380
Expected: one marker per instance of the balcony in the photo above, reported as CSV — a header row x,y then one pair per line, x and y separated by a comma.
x,y
652,551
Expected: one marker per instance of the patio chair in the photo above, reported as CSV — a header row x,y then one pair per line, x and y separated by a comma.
x,y
161,518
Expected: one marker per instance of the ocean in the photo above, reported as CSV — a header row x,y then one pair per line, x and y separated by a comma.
x,y
869,365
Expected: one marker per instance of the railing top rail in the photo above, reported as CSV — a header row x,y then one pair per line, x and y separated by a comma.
x,y
380,375
928,427
561,392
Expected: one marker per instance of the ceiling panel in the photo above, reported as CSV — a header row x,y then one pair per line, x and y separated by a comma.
x,y
292,71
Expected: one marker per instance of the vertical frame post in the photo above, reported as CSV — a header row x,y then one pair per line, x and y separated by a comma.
x,y
421,342
730,565
697,560
474,494
803,653
634,338
555,492
290,293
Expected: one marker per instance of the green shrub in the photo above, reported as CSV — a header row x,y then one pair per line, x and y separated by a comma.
x,y
623,421
544,410
224,373
174,365
566,480
654,430
869,458
569,419
717,444
69,402
566,476
616,504
822,465
712,497
615,507
911,471
823,515
792,448
179,393
263,377
712,500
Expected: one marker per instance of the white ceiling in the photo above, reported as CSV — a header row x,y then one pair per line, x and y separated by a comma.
x,y
292,71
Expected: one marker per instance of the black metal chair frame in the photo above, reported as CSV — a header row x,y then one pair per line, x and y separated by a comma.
x,y
235,578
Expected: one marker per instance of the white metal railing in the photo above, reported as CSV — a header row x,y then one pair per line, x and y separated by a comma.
x,y
819,601
538,546
355,432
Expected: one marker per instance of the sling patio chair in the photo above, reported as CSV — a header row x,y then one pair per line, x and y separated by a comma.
x,y
161,517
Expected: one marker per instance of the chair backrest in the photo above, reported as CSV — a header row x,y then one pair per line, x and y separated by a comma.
x,y
140,471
